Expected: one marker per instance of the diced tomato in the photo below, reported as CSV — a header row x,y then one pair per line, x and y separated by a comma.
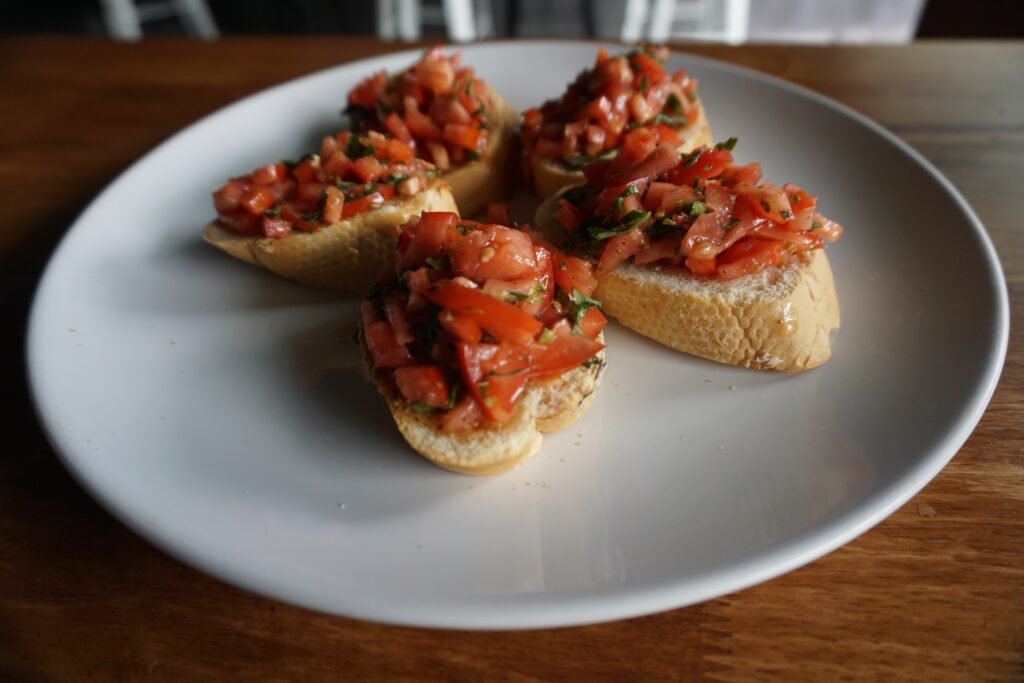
x,y
502,320
424,384
567,215
367,168
394,309
666,248
276,228
439,155
751,173
649,167
396,126
463,136
702,266
750,256
465,415
357,206
391,149
418,280
337,166
385,351
419,124
495,374
429,238
668,135
592,322
462,327
700,165
566,352
828,229
799,199
270,174
365,94
498,213
575,273
226,199
307,170
256,201
766,201
618,249
494,252
334,204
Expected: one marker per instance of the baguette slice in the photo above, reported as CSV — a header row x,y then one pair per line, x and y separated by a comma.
x,y
550,176
544,407
778,319
479,183
346,256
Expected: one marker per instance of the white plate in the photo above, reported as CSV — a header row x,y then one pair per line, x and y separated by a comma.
x,y
211,407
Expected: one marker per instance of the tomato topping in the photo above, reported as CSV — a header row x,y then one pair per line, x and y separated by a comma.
x,y
702,212
473,313
495,374
437,105
423,384
503,320
351,175
575,273
626,102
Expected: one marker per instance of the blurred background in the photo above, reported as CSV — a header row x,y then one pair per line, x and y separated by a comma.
x,y
730,21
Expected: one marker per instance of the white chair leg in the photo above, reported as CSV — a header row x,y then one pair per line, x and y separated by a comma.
x,y
737,21
409,22
122,19
458,17
197,18
634,20
662,17
386,19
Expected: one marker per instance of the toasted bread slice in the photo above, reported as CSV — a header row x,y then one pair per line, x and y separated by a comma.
x,y
544,407
550,176
779,318
346,256
479,183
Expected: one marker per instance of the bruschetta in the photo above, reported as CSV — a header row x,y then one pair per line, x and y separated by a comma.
x,y
479,343
451,118
622,96
331,219
696,253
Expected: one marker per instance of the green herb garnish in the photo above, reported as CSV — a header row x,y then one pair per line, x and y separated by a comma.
x,y
354,148
579,304
729,144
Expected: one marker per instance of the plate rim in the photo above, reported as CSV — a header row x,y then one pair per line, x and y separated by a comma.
x,y
763,565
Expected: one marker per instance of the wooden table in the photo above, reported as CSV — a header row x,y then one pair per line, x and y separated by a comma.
x,y
936,592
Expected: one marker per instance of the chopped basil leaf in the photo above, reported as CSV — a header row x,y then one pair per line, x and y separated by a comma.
x,y
673,104
453,395
697,208
766,206
546,336
421,407
591,362
354,148
729,144
580,194
581,161
274,212
396,178
731,224
343,185
816,224
442,263
358,116
692,159
795,198
692,96
579,304
643,83
672,121
473,155
786,214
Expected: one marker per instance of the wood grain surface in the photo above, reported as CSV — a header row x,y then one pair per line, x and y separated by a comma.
x,y
936,592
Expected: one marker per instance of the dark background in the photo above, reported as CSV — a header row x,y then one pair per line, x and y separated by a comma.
x,y
941,18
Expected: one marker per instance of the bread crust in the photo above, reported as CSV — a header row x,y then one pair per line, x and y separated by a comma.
x,y
544,407
479,183
549,176
346,256
777,319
